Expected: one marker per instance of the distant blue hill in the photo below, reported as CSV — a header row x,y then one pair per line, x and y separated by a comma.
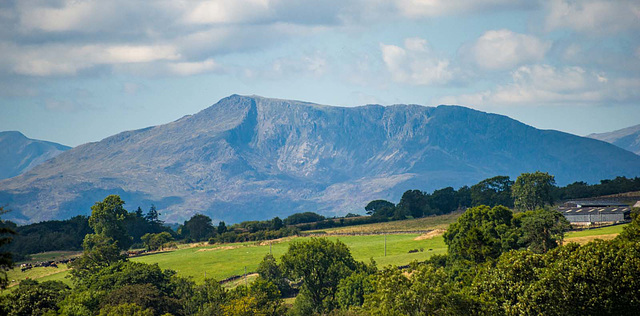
x,y
19,154
626,138
248,157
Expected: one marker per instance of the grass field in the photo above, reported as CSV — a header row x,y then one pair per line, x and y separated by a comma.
x,y
420,224
222,261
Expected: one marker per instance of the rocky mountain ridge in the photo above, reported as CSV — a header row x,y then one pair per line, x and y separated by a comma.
x,y
248,157
19,154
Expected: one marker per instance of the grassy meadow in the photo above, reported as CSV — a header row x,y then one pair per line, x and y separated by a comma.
x,y
223,261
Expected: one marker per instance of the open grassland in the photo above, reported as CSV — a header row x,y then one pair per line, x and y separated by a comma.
x,y
420,224
223,261
584,236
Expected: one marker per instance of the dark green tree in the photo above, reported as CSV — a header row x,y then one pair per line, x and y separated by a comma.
x,y
198,228
222,228
493,191
276,223
381,208
414,203
34,298
156,241
320,264
480,234
532,191
108,220
542,229
6,260
443,201
269,270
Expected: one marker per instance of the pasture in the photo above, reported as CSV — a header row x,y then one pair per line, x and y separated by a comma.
x,y
223,261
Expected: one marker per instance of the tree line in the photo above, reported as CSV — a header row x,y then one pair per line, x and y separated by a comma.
x,y
498,263
527,192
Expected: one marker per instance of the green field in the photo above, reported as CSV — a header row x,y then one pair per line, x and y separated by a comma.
x,y
420,224
222,261
596,231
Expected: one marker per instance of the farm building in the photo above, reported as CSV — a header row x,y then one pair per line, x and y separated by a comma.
x,y
596,214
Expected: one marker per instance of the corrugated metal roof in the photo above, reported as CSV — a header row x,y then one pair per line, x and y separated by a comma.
x,y
606,210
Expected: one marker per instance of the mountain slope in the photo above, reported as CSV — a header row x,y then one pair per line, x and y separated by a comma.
x,y
19,154
254,158
626,138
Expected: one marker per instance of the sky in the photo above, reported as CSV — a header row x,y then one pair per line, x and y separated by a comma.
x,y
75,71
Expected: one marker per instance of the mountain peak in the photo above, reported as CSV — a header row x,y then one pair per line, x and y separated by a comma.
x,y
250,157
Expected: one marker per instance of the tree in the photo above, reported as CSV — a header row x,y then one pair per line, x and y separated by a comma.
x,y
6,260
321,264
301,218
542,229
380,208
269,270
533,190
414,203
198,228
222,228
152,215
493,191
276,223
108,220
427,291
443,201
34,298
481,233
156,241
99,252
353,289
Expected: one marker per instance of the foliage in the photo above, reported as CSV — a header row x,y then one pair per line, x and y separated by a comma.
x,y
197,228
380,208
6,261
33,298
480,234
156,241
352,290
301,218
108,219
533,190
99,252
427,291
542,229
492,192
125,309
269,270
321,264
600,278
581,189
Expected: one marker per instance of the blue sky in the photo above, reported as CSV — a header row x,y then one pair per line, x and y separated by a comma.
x,y
76,71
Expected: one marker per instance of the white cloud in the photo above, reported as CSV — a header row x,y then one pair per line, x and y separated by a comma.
x,y
313,64
228,11
415,63
504,49
58,59
548,85
192,68
598,17
433,8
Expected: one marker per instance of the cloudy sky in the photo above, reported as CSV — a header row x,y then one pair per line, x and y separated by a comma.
x,y
75,71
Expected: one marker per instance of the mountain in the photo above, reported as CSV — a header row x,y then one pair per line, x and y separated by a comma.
x,y
626,138
19,154
248,157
